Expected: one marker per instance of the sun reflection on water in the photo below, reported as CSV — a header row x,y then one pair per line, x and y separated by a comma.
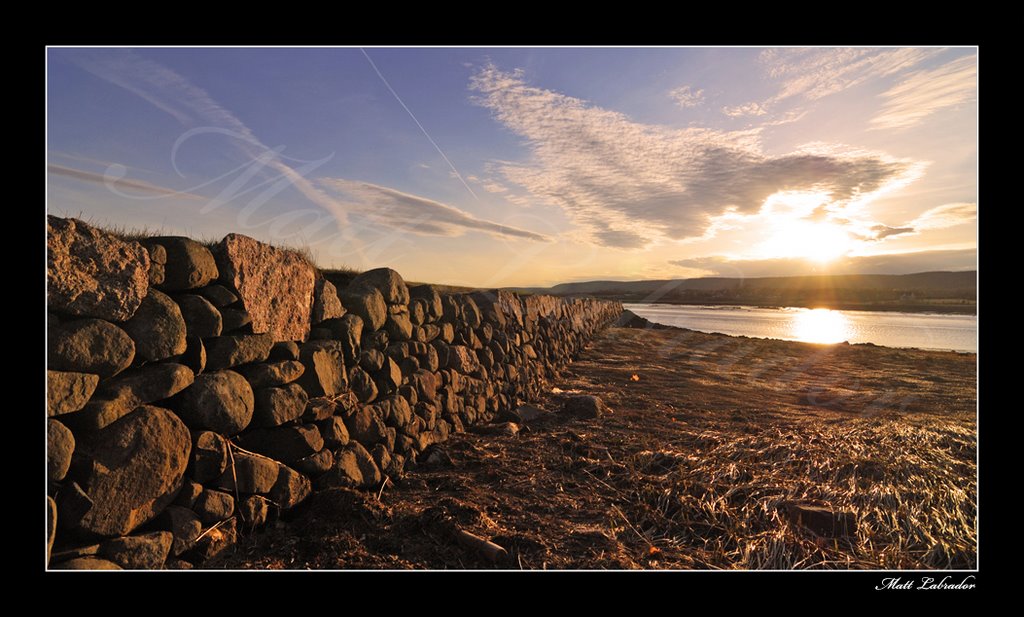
x,y
821,326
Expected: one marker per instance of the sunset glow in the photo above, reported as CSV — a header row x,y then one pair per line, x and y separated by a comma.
x,y
532,166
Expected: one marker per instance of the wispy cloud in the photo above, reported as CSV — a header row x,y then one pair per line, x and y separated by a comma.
x,y
192,107
923,93
412,213
889,263
948,215
939,217
686,96
630,183
120,184
814,73
748,109
881,232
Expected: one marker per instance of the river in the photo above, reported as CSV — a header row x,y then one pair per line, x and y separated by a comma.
x,y
889,329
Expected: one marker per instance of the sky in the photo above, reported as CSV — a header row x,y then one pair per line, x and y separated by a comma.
x,y
498,167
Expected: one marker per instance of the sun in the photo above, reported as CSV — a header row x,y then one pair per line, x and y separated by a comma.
x,y
817,242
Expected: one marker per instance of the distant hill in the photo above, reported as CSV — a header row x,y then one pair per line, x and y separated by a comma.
x,y
922,291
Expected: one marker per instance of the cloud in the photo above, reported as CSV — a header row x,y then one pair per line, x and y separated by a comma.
x,y
191,106
749,109
119,183
416,214
686,97
880,232
947,215
925,92
890,263
814,73
630,184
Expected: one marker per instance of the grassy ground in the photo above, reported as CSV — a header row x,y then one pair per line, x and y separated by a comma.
x,y
709,438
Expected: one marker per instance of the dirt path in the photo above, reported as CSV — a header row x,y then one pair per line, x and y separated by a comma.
x,y
696,466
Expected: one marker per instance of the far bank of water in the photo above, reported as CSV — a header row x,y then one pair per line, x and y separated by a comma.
x,y
889,329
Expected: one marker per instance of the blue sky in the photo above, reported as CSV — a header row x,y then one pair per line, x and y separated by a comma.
x,y
513,166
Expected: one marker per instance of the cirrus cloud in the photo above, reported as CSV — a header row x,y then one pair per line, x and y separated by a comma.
x,y
412,213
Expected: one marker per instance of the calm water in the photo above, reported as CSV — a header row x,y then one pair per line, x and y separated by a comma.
x,y
921,330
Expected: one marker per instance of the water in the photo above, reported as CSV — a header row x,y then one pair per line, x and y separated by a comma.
x,y
889,329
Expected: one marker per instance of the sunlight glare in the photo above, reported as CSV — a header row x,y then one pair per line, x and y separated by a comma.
x,y
821,326
820,242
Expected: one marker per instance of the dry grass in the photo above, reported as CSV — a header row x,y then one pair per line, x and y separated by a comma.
x,y
719,498
692,469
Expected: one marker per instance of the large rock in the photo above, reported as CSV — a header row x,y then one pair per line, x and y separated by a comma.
x,y
324,363
431,298
284,350
202,318
92,273
389,377
320,408
189,265
584,406
362,385
275,285
394,411
60,445
276,406
157,261
371,360
190,490
222,402
490,306
272,374
234,320
284,443
157,328
210,456
367,303
462,359
398,326
120,395
326,304
184,525
214,506
349,331
385,280
316,464
230,351
333,431
354,467
89,346
426,384
87,563
291,488
68,392
249,474
254,510
145,552
218,295
135,468
366,426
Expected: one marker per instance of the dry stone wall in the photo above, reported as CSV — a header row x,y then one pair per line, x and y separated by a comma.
x,y
195,393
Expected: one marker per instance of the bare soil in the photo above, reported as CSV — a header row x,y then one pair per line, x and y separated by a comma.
x,y
708,442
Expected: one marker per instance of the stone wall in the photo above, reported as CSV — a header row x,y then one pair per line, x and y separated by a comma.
x,y
194,393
